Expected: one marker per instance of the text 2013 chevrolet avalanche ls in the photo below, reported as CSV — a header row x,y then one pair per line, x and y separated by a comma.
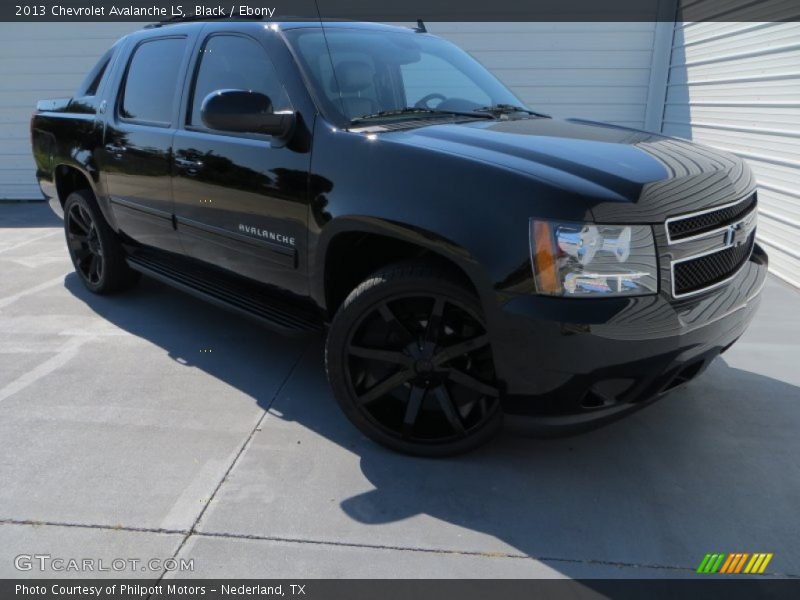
x,y
472,258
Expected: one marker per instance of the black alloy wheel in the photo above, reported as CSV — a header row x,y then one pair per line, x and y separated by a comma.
x,y
416,364
94,248
84,245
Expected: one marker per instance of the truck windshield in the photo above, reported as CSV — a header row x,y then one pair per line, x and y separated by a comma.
x,y
379,75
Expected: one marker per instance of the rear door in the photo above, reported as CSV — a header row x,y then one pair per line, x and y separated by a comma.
x,y
240,203
135,156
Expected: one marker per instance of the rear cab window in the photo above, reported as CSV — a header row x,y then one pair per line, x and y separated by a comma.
x,y
151,81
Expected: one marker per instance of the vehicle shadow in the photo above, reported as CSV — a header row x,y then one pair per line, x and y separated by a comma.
x,y
710,468
187,328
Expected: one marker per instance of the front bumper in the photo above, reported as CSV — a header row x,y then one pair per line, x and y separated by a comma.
x,y
577,360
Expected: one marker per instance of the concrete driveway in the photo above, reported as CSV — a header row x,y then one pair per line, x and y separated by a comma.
x,y
151,425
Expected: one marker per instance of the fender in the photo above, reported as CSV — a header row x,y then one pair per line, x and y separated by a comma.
x,y
74,152
92,175
357,186
430,241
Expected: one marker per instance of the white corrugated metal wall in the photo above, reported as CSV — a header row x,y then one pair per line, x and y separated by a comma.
x,y
731,85
592,70
736,86
41,60
596,71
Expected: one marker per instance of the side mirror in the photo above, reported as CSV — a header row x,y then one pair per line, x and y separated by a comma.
x,y
245,112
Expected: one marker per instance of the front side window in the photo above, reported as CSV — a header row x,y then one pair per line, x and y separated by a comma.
x,y
234,62
355,73
151,81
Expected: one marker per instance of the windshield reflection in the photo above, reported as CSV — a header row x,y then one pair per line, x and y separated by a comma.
x,y
387,74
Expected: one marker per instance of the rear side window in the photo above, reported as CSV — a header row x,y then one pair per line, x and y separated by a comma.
x,y
91,83
151,81
238,63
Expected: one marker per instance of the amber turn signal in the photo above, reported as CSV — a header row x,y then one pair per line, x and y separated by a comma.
x,y
544,259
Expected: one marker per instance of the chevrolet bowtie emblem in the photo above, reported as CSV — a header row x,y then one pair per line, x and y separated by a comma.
x,y
735,235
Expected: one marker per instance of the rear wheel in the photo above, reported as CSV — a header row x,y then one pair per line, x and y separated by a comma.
x,y
409,361
96,253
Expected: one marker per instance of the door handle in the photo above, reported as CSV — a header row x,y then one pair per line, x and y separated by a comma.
x,y
117,151
191,166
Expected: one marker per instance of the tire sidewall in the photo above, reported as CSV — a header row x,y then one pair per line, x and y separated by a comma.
x,y
104,235
366,298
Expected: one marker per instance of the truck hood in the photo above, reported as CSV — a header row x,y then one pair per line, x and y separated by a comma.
x,y
628,174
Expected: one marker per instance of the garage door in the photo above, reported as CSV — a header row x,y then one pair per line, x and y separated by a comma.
x,y
41,60
592,70
737,86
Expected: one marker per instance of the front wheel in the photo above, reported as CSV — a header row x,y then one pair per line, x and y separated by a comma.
x,y
409,361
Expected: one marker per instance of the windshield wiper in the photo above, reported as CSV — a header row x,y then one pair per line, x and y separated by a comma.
x,y
414,110
507,109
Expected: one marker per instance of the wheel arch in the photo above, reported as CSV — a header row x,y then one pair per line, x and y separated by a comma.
x,y
350,250
70,178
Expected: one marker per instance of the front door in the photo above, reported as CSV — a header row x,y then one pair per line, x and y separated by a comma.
x,y
240,203
135,157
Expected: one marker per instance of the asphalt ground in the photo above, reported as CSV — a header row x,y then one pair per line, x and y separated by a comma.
x,y
151,425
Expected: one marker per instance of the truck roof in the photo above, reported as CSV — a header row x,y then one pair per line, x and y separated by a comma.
x,y
284,25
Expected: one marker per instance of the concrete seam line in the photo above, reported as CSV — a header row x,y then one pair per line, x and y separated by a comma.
x,y
126,528
236,536
238,454
476,553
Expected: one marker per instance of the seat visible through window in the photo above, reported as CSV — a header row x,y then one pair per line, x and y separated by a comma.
x,y
355,80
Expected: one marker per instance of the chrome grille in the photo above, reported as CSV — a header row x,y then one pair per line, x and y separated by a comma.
x,y
682,228
699,273
708,248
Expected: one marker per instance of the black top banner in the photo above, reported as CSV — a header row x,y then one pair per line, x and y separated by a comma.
x,y
404,10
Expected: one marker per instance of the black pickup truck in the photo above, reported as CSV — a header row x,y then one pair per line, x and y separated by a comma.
x,y
468,257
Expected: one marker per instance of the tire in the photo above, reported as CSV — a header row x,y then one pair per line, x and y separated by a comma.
x,y
94,248
409,361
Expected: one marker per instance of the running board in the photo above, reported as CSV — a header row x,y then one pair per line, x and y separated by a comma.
x,y
231,293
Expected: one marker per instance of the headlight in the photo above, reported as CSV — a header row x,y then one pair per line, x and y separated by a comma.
x,y
577,260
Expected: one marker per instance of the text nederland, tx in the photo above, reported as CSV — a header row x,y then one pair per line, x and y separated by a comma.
x,y
176,10
157,590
